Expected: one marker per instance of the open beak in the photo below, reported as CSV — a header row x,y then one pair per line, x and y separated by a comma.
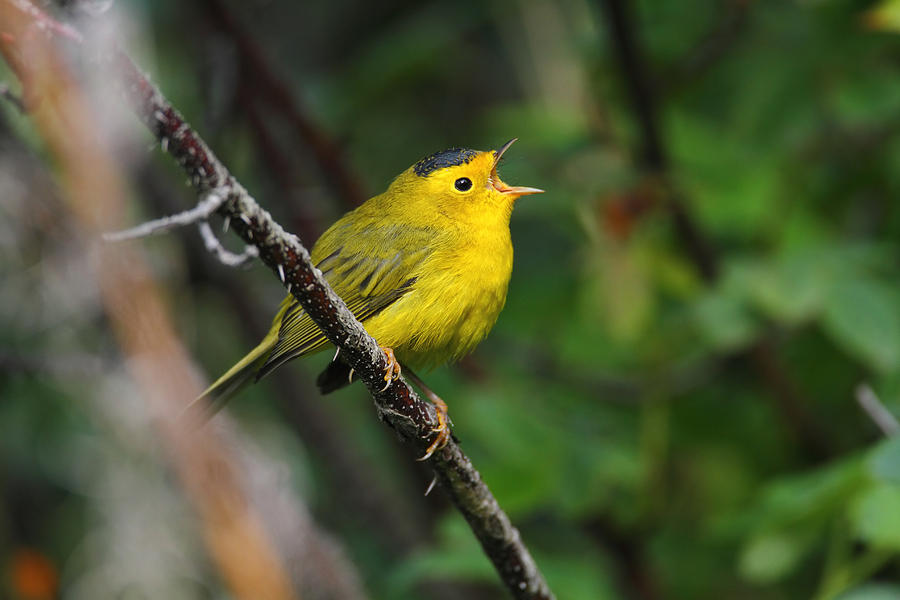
x,y
498,183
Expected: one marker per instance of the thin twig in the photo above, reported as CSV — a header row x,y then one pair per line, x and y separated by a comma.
x,y
226,257
413,419
878,412
724,35
199,215
209,203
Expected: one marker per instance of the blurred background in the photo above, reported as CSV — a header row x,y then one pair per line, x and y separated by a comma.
x,y
689,394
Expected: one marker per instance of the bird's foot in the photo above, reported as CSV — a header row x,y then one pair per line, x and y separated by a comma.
x,y
443,418
393,367
442,430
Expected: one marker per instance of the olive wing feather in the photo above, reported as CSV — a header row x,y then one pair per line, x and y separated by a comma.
x,y
368,279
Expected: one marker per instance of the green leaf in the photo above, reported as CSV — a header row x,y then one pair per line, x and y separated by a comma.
x,y
578,576
792,289
875,515
868,97
884,16
812,498
457,555
731,186
724,321
861,315
883,462
872,591
771,556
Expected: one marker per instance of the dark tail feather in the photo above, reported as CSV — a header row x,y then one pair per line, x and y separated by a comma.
x,y
335,376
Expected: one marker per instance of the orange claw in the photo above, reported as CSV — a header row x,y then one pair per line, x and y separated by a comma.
x,y
442,430
443,418
393,368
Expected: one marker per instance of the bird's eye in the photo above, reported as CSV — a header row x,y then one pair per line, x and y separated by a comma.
x,y
463,184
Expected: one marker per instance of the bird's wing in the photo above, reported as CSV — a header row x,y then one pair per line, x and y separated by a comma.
x,y
367,277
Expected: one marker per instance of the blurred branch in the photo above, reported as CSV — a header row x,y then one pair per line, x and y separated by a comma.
x,y
790,402
878,412
268,86
653,156
12,98
654,159
277,162
721,38
205,207
397,405
77,365
199,215
319,568
158,362
635,577
215,247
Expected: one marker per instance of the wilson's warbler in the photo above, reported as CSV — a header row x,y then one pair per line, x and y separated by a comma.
x,y
424,266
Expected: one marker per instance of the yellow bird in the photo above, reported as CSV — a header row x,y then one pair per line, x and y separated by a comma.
x,y
424,266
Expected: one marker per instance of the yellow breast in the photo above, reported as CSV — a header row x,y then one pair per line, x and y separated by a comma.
x,y
456,299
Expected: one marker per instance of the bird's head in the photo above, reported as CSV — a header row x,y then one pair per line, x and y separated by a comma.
x,y
461,178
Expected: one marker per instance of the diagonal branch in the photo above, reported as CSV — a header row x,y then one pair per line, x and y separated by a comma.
x,y
878,412
653,155
205,207
397,405
273,89
226,257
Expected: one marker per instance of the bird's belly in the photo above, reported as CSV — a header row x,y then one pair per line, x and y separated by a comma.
x,y
444,317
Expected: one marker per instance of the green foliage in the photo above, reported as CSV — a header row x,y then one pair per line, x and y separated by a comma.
x,y
862,317
872,592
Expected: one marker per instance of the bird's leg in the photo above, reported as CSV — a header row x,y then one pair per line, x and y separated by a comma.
x,y
443,428
393,367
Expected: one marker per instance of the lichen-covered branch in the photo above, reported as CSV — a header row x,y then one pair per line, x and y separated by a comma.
x,y
282,252
397,405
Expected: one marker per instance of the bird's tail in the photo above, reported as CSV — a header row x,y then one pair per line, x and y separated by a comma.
x,y
237,377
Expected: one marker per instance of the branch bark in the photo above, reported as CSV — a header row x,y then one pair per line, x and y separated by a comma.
x,y
653,156
397,405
